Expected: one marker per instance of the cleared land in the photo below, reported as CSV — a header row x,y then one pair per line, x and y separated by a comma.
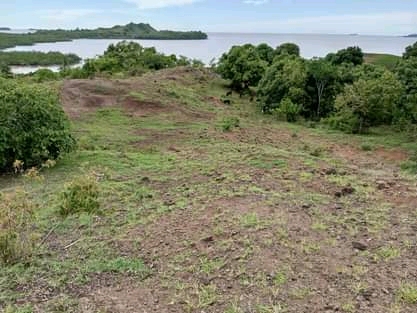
x,y
387,60
266,217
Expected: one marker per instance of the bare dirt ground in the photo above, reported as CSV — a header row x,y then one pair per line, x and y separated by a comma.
x,y
273,247
260,219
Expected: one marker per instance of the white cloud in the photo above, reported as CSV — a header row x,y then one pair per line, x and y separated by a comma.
x,y
66,14
255,2
155,4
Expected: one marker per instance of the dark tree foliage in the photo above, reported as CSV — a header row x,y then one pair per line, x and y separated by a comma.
x,y
33,126
129,31
132,58
322,86
266,52
288,48
28,58
353,55
406,72
243,66
284,79
5,71
367,102
410,51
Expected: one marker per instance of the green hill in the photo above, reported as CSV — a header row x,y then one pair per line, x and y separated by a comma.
x,y
129,31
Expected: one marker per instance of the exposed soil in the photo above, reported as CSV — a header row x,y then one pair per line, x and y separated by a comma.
x,y
254,220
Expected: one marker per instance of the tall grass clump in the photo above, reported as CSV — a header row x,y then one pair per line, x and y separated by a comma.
x,y
17,235
80,195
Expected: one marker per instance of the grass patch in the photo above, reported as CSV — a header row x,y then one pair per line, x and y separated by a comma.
x,y
387,253
407,293
229,123
118,265
387,60
250,220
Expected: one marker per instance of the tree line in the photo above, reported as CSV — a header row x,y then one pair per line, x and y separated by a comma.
x,y
36,58
340,89
129,31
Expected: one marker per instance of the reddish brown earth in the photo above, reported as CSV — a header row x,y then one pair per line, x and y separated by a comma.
x,y
242,234
323,270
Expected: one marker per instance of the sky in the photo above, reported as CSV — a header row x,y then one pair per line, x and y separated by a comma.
x,y
373,17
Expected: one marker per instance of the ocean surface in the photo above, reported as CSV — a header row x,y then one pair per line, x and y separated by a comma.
x,y
311,45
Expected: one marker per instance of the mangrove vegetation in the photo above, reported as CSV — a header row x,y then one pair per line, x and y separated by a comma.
x,y
36,58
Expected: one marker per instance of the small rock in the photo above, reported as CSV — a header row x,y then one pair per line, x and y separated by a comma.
x,y
381,185
361,246
368,294
330,171
169,202
338,207
172,148
208,239
306,206
348,190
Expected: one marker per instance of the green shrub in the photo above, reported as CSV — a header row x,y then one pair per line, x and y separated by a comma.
x,y
33,126
44,74
16,309
5,71
288,109
367,147
80,195
228,123
16,236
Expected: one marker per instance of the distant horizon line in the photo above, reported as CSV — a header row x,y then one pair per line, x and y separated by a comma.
x,y
11,29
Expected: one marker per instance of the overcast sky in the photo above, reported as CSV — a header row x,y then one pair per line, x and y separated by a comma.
x,y
397,17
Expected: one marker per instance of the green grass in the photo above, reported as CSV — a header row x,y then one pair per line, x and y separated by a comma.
x,y
222,215
407,293
387,60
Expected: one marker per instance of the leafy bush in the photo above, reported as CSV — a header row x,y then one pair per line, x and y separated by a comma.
x,y
44,74
5,71
133,59
288,48
16,236
367,103
243,66
74,73
33,126
228,123
80,195
285,78
410,51
289,109
353,55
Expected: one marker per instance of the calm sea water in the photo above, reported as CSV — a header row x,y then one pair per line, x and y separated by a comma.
x,y
206,50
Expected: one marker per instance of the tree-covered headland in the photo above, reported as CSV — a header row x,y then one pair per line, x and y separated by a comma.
x,y
129,31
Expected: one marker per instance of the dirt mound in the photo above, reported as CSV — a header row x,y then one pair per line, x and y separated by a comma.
x,y
82,96
139,96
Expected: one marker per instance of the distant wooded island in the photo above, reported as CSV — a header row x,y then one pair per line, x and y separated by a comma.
x,y
411,35
129,31
35,58
5,28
